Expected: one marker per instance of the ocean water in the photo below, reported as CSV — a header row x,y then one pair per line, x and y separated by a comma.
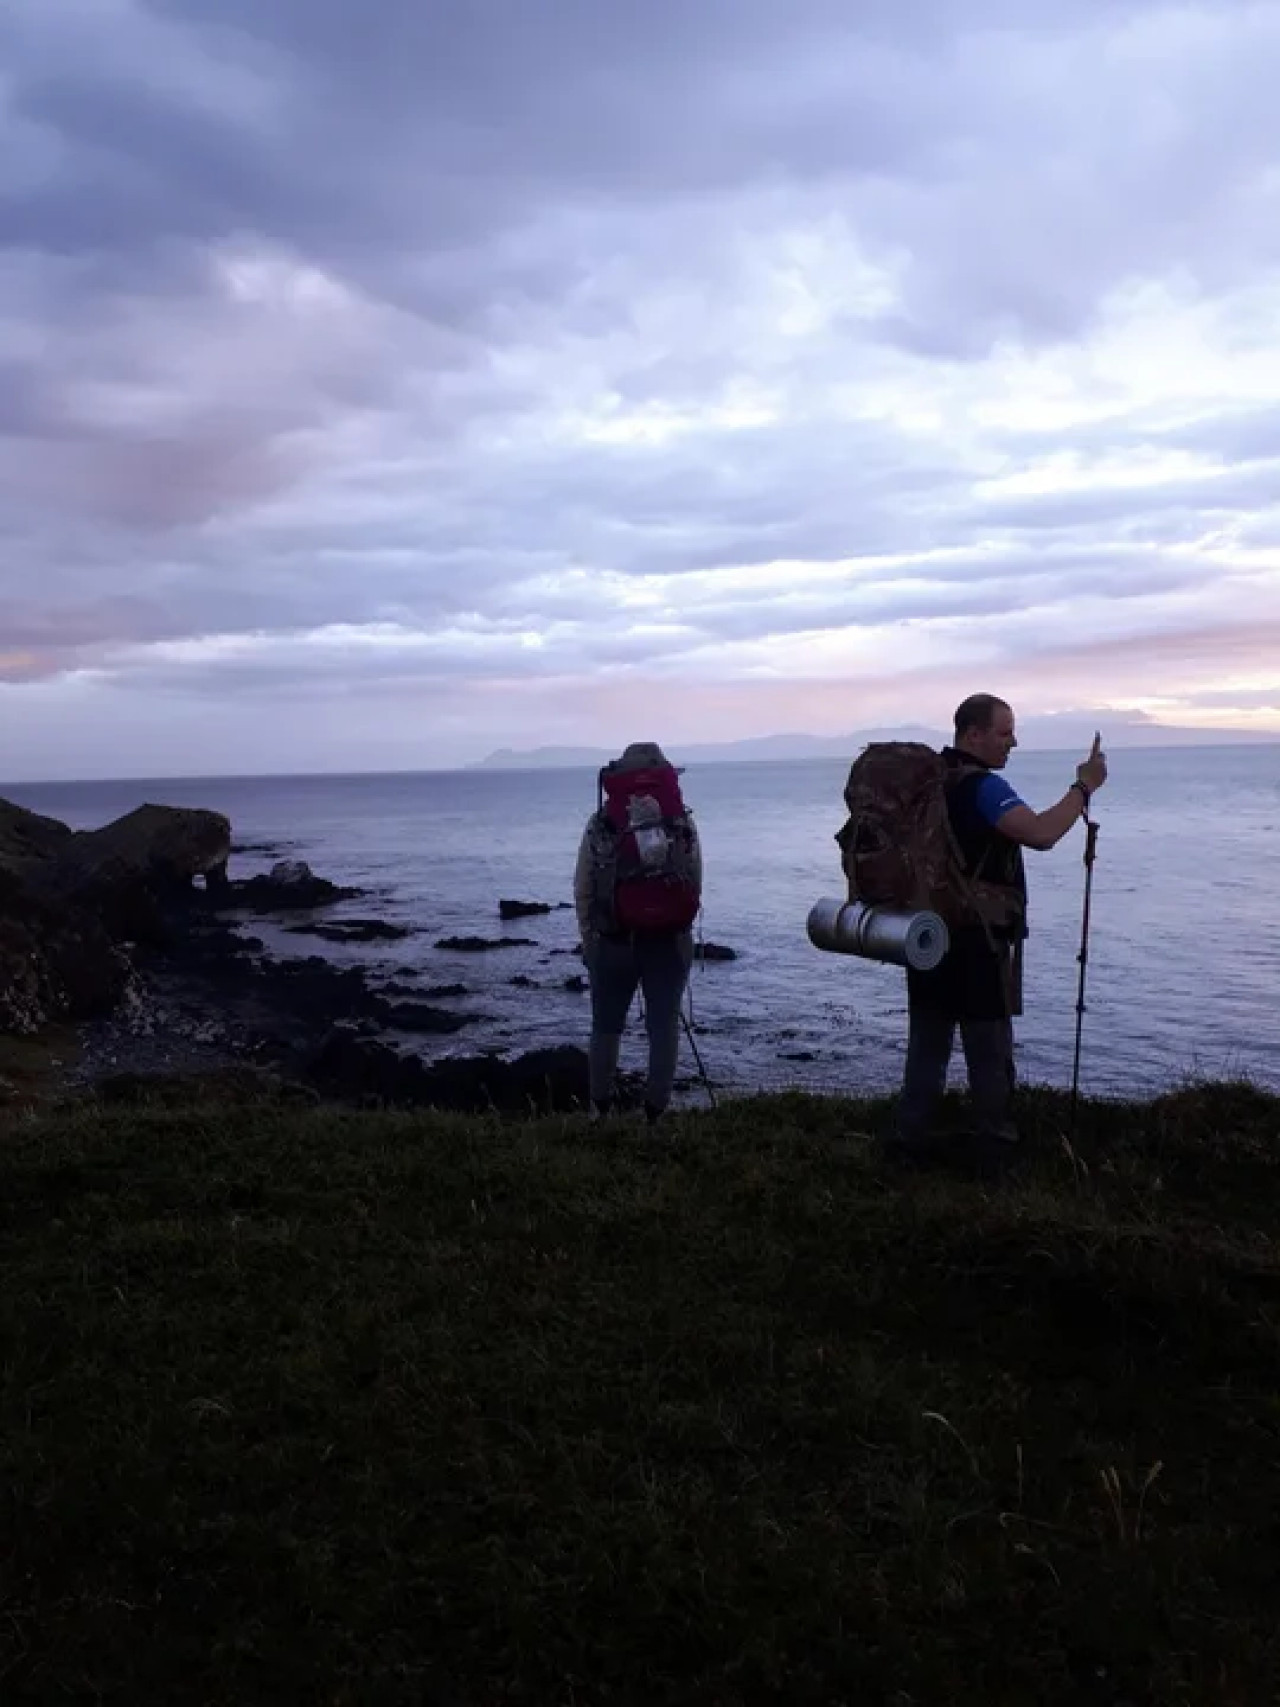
x,y
1184,948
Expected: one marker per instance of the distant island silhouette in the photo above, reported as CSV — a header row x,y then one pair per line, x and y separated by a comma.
x,y
1058,732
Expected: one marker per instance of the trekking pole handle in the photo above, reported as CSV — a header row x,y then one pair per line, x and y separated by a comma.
x,y
1090,854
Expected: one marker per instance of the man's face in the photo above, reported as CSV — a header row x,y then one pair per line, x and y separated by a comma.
x,y
994,744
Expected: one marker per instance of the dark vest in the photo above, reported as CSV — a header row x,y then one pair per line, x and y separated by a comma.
x,y
984,851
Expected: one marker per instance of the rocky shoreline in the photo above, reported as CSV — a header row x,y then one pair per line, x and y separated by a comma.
x,y
138,936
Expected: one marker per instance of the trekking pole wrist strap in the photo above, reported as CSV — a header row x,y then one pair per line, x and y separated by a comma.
x,y
1083,792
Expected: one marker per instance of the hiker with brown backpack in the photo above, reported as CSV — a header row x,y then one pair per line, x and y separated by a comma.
x,y
637,888
947,832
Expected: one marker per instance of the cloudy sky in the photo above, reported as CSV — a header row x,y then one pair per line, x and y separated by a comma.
x,y
383,384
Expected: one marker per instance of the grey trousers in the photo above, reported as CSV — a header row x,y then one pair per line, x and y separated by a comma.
x,y
988,1054
617,967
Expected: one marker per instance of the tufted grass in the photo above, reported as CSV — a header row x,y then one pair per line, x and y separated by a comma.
x,y
304,1405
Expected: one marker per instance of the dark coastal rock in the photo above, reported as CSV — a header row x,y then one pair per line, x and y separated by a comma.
x,y
56,962
479,944
713,951
112,928
70,903
521,982
415,993
522,909
281,1001
422,1017
109,928
29,835
285,1004
288,887
163,846
353,930
311,991
316,991
126,874
200,942
288,873
359,1069
796,1055
577,984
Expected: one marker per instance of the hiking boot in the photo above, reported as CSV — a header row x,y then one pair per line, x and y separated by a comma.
x,y
601,1108
916,1150
1006,1133
996,1152
652,1115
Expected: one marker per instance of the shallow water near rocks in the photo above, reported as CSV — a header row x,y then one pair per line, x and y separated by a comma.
x,y
1185,941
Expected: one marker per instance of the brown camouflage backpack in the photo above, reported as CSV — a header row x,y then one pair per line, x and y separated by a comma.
x,y
898,847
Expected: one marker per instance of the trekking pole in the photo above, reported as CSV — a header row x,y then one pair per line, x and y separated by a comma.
x,y
698,1058
687,1017
688,1031
1090,853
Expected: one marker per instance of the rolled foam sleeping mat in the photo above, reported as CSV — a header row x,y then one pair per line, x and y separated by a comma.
x,y
898,936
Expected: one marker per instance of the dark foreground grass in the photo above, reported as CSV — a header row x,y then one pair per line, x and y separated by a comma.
x,y
304,1406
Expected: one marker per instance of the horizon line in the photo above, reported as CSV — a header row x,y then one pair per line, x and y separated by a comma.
x,y
475,766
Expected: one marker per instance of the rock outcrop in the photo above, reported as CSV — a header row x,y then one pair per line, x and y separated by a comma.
x,y
165,846
482,944
359,1069
28,836
290,886
57,960
133,928
509,910
70,901
353,930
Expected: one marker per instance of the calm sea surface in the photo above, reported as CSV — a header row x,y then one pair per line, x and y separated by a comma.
x,y
1185,944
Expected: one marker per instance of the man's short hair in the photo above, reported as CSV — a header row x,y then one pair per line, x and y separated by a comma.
x,y
978,712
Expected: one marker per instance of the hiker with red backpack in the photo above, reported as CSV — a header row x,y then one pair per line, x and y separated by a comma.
x,y
637,889
947,832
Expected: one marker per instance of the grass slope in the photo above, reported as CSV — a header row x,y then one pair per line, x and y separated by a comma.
x,y
310,1406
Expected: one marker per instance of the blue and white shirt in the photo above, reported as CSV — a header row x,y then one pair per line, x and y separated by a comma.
x,y
993,797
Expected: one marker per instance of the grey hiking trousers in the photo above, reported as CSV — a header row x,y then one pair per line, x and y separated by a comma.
x,y
988,1054
617,966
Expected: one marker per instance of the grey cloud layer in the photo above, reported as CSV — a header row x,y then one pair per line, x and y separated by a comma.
x,y
466,323
443,127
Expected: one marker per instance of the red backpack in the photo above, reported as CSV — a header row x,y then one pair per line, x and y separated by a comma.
x,y
649,846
